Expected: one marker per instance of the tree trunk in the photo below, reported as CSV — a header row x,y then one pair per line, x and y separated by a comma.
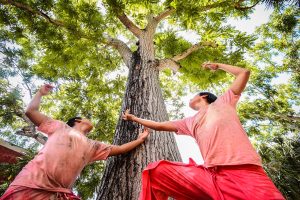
x,y
143,96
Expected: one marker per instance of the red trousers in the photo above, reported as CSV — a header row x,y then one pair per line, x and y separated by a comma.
x,y
181,181
25,193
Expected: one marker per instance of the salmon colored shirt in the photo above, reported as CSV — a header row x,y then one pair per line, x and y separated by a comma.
x,y
219,133
60,161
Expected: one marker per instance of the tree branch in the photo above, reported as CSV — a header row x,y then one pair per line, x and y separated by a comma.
x,y
30,131
33,11
168,63
288,117
119,45
122,48
153,21
170,11
239,7
192,49
130,25
43,15
274,116
268,98
19,71
164,14
172,63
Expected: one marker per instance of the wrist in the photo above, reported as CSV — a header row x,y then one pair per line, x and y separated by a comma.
x,y
134,119
39,93
141,140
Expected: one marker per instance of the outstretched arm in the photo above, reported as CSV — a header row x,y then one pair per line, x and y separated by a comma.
x,y
241,75
120,149
32,111
158,126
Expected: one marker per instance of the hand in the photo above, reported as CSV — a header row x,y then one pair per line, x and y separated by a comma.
x,y
45,89
143,135
128,117
211,66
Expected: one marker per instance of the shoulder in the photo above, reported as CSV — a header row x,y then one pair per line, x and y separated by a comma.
x,y
228,97
51,125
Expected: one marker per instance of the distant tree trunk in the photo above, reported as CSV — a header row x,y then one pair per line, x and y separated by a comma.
x,y
143,96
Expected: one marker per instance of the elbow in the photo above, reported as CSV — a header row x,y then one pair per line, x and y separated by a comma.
x,y
246,73
28,112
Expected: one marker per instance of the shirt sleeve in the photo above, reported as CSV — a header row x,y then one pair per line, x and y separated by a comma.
x,y
184,126
50,126
229,98
101,151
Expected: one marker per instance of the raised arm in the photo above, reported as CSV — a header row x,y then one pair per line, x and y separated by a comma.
x,y
32,111
241,75
120,149
158,126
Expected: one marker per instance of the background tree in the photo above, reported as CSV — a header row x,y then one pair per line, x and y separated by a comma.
x,y
271,113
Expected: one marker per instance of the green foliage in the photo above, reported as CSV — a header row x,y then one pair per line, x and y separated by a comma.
x,y
10,171
270,112
10,104
282,35
282,163
231,47
88,178
169,45
280,4
193,14
173,90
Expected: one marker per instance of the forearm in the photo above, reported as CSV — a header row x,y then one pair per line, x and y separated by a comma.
x,y
241,77
116,150
130,145
35,102
148,123
234,70
32,110
158,126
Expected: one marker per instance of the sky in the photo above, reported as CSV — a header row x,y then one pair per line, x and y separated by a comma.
x,y
187,145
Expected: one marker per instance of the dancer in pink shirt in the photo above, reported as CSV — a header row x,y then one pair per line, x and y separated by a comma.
x,y
232,168
53,171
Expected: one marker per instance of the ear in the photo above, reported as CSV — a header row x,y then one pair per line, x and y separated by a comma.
x,y
204,95
78,120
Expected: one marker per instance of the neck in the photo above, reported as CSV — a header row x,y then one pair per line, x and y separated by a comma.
x,y
201,105
81,130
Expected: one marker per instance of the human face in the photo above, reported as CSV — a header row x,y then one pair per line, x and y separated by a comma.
x,y
86,124
195,101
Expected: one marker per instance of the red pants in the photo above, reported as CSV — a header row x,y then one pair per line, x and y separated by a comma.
x,y
25,193
181,181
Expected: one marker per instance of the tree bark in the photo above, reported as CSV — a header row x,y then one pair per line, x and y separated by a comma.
x,y
143,96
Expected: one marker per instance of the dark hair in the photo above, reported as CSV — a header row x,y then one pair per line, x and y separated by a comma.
x,y
210,97
71,122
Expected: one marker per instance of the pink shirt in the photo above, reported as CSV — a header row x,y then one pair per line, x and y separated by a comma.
x,y
60,161
219,133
